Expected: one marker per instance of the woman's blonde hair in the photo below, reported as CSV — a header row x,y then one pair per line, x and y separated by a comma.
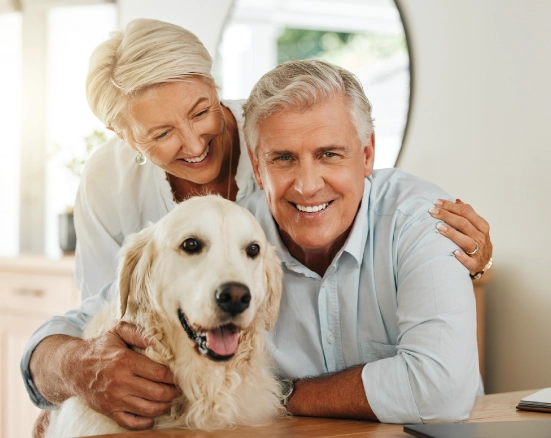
x,y
146,53
298,85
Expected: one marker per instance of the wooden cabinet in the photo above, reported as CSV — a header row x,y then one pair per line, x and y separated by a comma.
x,y
32,289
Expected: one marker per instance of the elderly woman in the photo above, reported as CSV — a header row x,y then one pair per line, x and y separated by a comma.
x,y
152,86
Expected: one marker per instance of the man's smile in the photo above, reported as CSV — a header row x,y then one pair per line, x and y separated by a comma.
x,y
311,208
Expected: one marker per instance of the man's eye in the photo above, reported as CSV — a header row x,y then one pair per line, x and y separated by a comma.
x,y
329,154
283,158
192,246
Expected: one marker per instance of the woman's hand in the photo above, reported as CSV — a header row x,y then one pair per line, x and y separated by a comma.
x,y
467,229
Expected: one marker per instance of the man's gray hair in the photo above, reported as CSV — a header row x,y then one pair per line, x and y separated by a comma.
x,y
148,52
297,86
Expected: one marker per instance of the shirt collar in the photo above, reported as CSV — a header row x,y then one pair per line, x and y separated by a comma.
x,y
354,245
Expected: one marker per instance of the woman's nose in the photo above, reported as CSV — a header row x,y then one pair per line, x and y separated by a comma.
x,y
192,144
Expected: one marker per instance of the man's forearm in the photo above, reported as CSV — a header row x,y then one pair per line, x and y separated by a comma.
x,y
48,363
339,395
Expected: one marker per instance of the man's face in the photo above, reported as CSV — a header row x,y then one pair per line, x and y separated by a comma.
x,y
312,166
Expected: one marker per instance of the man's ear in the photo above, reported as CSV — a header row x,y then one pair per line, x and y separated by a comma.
x,y
369,156
254,163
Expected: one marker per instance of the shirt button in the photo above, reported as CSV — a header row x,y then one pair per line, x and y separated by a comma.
x,y
324,284
331,339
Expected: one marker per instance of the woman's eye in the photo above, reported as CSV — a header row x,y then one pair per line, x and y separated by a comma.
x,y
192,246
252,250
164,134
201,113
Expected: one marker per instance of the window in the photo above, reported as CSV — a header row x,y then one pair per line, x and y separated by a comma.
x,y
10,127
364,36
73,33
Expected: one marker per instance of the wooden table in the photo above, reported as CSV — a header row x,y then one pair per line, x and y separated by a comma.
x,y
495,407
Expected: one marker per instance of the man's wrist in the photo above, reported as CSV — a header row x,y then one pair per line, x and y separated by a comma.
x,y
287,390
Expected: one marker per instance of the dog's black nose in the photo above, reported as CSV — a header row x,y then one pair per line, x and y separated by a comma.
x,y
233,298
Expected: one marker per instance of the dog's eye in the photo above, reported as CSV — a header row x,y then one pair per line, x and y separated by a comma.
x,y
192,246
252,250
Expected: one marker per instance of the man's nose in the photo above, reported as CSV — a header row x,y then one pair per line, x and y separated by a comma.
x,y
309,179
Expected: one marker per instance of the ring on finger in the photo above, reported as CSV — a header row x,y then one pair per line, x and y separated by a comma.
x,y
475,250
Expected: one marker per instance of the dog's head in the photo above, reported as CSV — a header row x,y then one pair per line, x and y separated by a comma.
x,y
206,267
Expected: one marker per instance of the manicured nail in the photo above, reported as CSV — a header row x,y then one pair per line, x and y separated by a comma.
x,y
438,203
442,227
434,211
457,253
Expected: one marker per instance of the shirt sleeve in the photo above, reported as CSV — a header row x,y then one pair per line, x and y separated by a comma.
x,y
70,324
434,376
99,238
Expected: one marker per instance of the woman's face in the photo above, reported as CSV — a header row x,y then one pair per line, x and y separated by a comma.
x,y
178,126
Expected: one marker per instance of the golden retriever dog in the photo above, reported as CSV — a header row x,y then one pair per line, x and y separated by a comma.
x,y
206,284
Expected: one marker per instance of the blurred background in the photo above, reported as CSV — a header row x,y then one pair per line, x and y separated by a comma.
x,y
461,96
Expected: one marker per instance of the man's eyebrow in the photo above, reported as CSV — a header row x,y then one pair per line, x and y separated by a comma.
x,y
277,153
332,148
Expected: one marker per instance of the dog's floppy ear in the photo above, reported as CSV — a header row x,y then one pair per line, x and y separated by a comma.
x,y
274,275
135,262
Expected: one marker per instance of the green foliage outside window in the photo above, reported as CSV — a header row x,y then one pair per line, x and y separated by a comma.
x,y
338,47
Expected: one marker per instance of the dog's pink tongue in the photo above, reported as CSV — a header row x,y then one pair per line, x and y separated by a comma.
x,y
223,340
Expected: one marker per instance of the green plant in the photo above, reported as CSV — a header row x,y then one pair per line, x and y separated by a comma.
x,y
91,141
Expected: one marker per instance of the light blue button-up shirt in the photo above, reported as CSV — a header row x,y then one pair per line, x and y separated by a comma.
x,y
394,298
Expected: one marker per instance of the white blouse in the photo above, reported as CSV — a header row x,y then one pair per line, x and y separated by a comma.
x,y
118,197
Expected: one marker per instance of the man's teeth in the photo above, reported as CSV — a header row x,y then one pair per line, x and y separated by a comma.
x,y
312,209
198,159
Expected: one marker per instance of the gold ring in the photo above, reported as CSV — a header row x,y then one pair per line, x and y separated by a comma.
x,y
475,250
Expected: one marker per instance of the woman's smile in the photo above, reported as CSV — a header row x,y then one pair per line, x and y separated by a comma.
x,y
200,158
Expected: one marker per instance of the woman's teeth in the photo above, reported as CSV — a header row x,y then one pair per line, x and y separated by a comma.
x,y
200,158
312,209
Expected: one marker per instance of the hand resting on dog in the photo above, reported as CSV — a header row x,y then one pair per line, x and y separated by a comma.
x,y
114,380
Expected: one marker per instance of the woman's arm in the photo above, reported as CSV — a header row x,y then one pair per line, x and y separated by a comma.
x,y
468,230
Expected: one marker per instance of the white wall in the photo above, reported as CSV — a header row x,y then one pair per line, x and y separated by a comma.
x,y
205,18
480,127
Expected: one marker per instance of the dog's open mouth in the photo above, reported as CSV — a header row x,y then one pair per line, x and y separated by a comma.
x,y
218,344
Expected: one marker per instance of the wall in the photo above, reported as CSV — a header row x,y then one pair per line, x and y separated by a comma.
x,y
204,18
480,127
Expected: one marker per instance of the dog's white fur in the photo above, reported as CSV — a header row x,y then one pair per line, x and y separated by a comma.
x,y
156,278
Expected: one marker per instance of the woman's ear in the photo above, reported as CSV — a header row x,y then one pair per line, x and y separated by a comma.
x,y
274,275
136,257
119,134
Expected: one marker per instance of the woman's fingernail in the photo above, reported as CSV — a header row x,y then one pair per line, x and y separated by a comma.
x,y
434,211
457,253
442,227
439,203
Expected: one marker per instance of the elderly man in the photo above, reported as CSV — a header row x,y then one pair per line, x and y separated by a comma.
x,y
373,295
377,319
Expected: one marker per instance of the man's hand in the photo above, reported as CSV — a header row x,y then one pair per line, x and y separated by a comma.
x,y
110,377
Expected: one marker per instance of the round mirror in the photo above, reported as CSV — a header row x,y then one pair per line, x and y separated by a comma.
x,y
364,36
